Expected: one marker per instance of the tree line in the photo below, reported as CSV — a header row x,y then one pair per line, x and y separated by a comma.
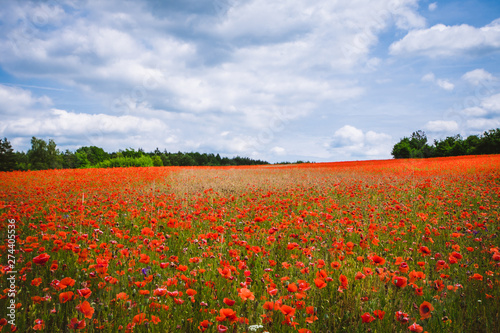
x,y
44,155
416,145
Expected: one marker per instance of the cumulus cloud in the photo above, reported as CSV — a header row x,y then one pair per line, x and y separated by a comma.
x,y
348,136
477,76
481,124
15,101
481,109
492,103
445,84
429,77
442,40
92,127
442,126
278,151
474,112
432,6
350,142
441,83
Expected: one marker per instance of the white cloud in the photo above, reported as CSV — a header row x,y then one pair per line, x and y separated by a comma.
x,y
15,101
477,76
91,129
429,77
447,126
481,124
433,6
492,103
348,136
445,84
349,141
278,151
475,112
442,83
442,40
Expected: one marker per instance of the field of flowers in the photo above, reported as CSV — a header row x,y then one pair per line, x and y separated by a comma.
x,y
375,246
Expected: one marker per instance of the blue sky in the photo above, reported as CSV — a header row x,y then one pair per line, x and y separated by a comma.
x,y
275,80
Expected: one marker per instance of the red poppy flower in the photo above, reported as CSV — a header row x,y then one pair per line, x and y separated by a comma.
x,y
221,328
144,258
229,302
36,282
54,266
343,281
86,309
139,319
335,265
64,297
425,310
320,283
122,296
66,282
292,287
40,325
367,318
400,281
246,294
204,325
76,324
287,310
160,291
379,313
269,306
415,328
41,259
228,314
478,277
401,317
377,260
425,251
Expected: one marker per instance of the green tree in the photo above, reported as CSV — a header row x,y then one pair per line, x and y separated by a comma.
x,y
157,161
38,155
490,142
55,157
81,160
165,159
471,144
7,156
43,155
448,147
130,152
418,140
69,159
22,161
94,154
186,160
402,149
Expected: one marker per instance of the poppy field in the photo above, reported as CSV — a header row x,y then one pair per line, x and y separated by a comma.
x,y
374,246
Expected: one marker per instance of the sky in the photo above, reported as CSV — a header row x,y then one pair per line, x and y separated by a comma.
x,y
310,80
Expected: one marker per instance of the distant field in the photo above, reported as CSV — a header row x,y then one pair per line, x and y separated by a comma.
x,y
375,246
